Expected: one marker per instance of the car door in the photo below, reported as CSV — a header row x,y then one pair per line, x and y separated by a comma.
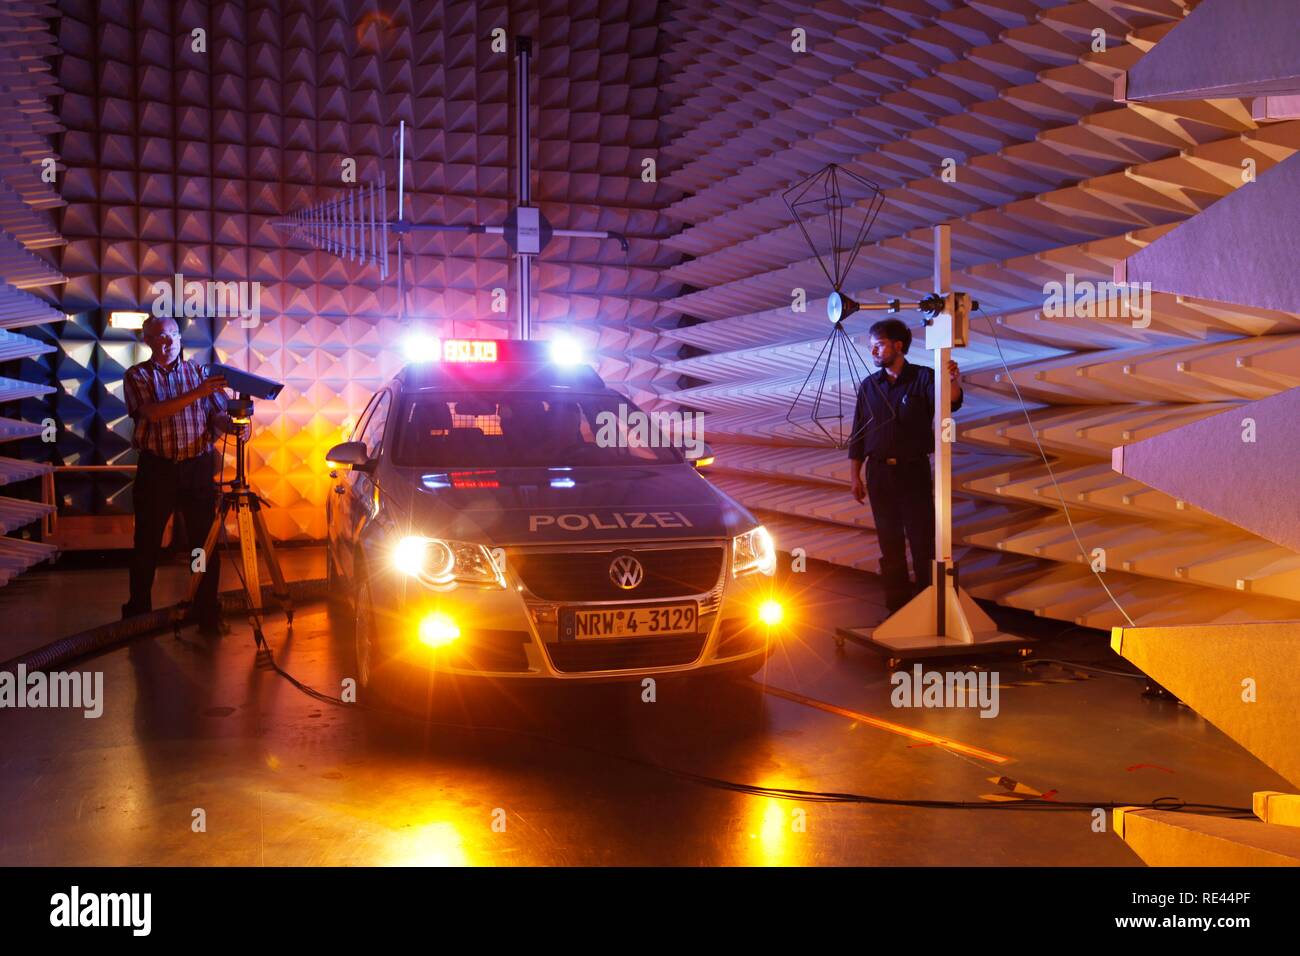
x,y
336,506
360,488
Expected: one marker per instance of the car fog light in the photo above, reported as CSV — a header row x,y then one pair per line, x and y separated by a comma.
x,y
771,613
438,630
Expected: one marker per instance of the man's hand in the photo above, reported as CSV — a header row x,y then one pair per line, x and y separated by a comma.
x,y
157,411
227,425
859,487
209,386
954,373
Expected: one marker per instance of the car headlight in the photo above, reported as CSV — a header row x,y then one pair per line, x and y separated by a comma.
x,y
440,563
753,551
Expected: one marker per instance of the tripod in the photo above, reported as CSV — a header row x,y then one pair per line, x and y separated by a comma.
x,y
237,496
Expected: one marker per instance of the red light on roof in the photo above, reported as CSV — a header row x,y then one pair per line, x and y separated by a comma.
x,y
469,350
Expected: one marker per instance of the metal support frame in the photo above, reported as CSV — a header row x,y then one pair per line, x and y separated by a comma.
x,y
942,619
358,230
523,185
401,217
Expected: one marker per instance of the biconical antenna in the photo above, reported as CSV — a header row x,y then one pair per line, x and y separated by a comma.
x,y
834,210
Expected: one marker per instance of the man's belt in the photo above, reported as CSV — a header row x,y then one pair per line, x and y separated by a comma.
x,y
899,461
174,461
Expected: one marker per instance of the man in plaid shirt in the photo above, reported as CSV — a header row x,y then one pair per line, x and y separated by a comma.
x,y
177,414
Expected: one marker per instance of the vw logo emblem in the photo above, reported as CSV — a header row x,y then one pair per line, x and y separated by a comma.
x,y
626,571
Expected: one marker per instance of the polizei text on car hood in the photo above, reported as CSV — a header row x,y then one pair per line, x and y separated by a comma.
x,y
522,506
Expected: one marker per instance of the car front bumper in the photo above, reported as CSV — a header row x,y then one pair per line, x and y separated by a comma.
x,y
513,634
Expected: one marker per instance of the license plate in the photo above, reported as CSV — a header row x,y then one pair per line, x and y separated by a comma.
x,y
628,622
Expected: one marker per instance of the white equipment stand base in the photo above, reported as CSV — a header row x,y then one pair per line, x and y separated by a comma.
x,y
911,632
943,619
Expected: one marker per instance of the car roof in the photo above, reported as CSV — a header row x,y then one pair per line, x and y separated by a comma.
x,y
498,376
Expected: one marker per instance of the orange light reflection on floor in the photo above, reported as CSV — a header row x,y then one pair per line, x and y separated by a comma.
x,y
767,830
945,742
436,843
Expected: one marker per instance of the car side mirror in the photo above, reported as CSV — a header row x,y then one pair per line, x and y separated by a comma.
x,y
700,457
351,453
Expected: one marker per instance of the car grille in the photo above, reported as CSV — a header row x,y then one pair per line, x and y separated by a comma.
x,y
584,575
604,654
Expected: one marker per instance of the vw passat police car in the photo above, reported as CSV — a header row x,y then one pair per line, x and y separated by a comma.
x,y
499,513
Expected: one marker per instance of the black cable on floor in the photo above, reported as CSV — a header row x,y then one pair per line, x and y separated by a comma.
x,y
783,793
1085,667
264,649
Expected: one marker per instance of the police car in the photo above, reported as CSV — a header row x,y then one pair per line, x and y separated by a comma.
x,y
495,514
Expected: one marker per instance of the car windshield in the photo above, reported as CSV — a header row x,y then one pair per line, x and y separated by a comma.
x,y
507,429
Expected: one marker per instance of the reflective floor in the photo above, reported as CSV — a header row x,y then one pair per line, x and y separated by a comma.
x,y
203,756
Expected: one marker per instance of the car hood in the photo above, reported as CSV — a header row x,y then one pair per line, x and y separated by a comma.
x,y
520,506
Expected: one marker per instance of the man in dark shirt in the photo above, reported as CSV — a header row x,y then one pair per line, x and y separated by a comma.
x,y
177,413
893,432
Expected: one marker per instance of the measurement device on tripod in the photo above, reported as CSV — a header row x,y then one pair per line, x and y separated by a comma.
x,y
238,496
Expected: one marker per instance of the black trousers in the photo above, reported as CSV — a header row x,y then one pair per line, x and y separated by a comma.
x,y
902,504
161,487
